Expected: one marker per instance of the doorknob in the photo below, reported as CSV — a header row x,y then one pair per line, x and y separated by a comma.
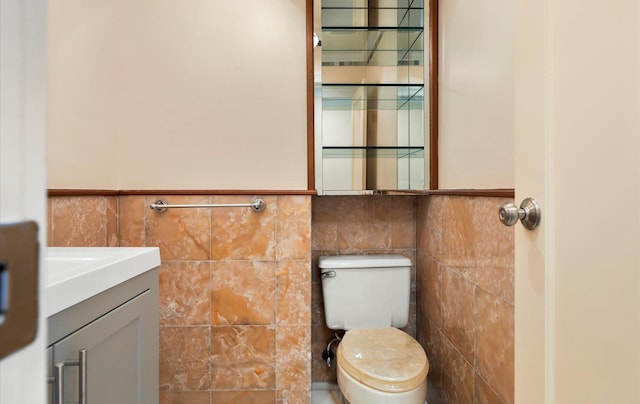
x,y
529,213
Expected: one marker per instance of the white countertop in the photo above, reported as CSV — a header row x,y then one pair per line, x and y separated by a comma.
x,y
74,274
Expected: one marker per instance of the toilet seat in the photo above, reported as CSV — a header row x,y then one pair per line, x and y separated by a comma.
x,y
384,359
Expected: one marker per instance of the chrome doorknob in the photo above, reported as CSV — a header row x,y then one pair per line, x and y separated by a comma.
x,y
529,213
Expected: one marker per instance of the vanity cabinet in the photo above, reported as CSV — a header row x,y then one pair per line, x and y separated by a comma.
x,y
118,328
370,96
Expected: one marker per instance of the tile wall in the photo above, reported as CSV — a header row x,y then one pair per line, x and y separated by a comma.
x,y
466,298
357,225
237,296
235,289
89,221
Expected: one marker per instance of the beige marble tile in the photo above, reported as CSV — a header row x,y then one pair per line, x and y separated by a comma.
x,y
49,221
293,396
184,397
184,358
421,224
458,382
112,221
429,223
495,250
412,255
184,293
324,225
317,304
79,221
293,291
131,220
243,293
293,358
358,228
243,397
413,297
320,337
495,241
181,234
484,393
495,343
242,234
243,358
431,340
495,245
499,281
411,325
293,229
433,395
429,283
403,221
458,232
458,317
421,292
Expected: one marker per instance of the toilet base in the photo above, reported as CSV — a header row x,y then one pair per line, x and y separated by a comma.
x,y
357,393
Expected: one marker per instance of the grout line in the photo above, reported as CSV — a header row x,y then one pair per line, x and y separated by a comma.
x,y
211,228
118,221
475,326
144,221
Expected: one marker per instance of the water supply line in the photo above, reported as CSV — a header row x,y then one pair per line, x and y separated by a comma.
x,y
329,354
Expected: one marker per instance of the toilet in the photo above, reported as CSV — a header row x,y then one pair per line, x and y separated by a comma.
x,y
368,297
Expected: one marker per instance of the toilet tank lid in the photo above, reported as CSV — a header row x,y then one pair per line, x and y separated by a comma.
x,y
363,261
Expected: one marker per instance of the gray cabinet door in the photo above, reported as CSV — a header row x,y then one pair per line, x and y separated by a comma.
x,y
122,358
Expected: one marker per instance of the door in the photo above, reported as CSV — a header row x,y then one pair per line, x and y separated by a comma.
x,y
578,153
22,166
121,355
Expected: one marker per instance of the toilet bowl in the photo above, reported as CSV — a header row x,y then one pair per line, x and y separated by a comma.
x,y
358,393
381,365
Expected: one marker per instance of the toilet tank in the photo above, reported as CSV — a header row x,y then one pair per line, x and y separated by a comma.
x,y
363,291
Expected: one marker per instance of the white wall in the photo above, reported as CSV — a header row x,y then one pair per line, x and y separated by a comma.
x,y
476,94
158,94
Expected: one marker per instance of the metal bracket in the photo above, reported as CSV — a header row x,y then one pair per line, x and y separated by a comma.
x,y
18,286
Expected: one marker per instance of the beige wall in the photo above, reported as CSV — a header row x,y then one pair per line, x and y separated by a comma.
x,y
150,95
177,95
82,90
476,93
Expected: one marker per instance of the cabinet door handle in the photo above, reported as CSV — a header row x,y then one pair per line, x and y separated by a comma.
x,y
58,377
82,371
58,389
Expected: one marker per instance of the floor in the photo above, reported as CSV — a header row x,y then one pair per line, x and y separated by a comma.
x,y
328,393
325,393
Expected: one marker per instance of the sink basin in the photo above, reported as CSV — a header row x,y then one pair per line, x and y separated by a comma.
x,y
74,274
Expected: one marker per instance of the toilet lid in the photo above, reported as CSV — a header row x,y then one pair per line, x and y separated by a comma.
x,y
385,359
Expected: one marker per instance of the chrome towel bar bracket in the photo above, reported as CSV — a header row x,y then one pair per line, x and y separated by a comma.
x,y
257,204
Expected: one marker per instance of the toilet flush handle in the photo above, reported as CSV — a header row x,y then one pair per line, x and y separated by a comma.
x,y
328,274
